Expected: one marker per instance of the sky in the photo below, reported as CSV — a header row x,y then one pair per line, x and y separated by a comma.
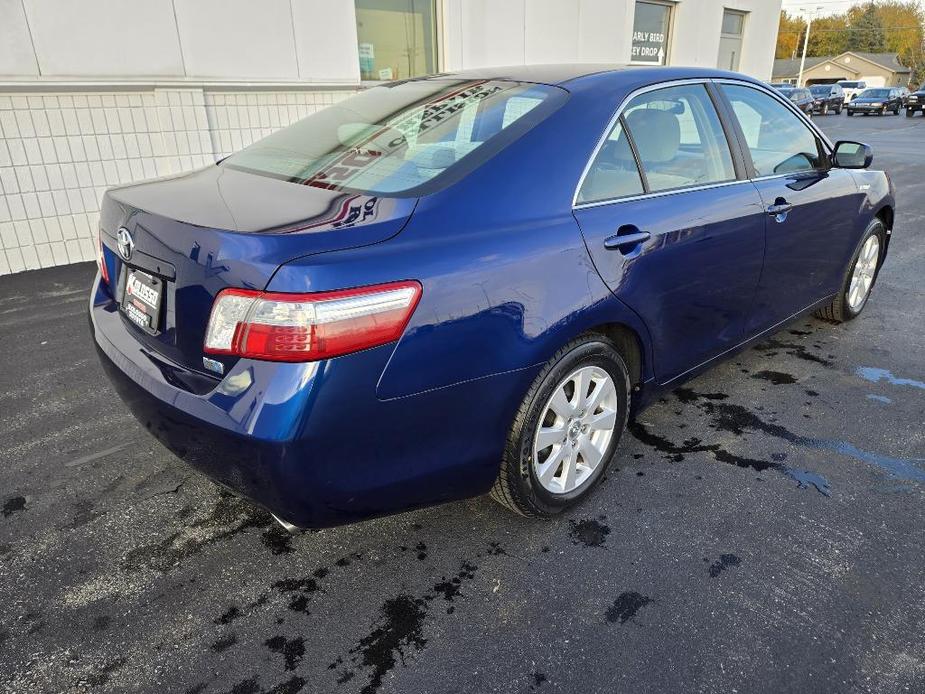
x,y
828,6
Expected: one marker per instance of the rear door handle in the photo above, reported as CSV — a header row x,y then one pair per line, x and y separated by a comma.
x,y
621,241
779,208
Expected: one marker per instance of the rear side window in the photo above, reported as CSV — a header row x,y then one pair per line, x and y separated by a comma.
x,y
399,139
779,142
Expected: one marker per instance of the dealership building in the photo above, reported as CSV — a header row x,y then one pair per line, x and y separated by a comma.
x,y
98,93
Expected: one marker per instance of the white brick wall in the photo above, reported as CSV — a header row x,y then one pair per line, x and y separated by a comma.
x,y
60,151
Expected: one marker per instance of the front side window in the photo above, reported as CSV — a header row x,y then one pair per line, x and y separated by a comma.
x,y
779,142
651,25
396,39
730,40
396,139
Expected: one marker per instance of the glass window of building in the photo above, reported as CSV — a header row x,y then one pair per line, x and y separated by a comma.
x,y
651,26
730,40
397,39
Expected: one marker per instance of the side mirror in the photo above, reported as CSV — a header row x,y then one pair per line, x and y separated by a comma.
x,y
852,155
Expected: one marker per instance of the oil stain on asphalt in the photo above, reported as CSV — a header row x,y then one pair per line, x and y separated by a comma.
x,y
292,650
590,532
13,505
626,606
724,562
230,516
399,632
737,419
676,453
778,378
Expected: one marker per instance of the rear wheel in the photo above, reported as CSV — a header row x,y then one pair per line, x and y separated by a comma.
x,y
859,278
850,112
567,429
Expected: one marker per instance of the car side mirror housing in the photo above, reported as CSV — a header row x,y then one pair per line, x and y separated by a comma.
x,y
852,155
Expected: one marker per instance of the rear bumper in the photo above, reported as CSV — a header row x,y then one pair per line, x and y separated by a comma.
x,y
311,442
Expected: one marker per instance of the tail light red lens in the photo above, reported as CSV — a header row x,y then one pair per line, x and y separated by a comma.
x,y
279,326
100,258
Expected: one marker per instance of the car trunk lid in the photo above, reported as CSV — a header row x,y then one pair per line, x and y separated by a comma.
x,y
199,233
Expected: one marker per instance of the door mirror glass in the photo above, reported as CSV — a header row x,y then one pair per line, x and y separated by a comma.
x,y
852,155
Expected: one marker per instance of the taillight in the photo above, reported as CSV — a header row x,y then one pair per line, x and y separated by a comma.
x,y
100,258
306,327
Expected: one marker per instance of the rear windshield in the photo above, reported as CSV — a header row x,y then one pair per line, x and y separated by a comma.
x,y
822,89
403,139
850,85
875,93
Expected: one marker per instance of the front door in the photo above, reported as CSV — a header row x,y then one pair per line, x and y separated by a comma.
x,y
679,237
811,208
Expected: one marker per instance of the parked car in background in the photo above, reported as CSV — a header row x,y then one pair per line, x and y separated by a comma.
x,y
466,283
827,98
852,89
801,98
916,102
879,101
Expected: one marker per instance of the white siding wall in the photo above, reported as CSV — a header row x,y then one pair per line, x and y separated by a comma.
x,y
275,40
96,93
488,32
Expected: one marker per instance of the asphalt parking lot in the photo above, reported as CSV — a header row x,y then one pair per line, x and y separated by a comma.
x,y
763,531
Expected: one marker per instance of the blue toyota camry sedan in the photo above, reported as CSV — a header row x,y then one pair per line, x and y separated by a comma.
x,y
467,283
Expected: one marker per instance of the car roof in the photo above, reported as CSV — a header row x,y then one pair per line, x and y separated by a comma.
x,y
572,75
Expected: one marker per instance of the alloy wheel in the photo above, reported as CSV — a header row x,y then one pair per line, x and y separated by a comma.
x,y
863,275
576,428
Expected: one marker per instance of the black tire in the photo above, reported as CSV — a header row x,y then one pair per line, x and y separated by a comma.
x,y
517,487
850,112
909,113
838,110
896,111
824,111
839,311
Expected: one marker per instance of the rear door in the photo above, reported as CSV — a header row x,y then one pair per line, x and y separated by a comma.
x,y
672,226
811,208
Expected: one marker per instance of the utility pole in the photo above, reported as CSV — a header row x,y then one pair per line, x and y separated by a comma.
x,y
809,21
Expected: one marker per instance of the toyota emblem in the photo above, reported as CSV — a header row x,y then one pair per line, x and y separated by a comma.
x,y
126,243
